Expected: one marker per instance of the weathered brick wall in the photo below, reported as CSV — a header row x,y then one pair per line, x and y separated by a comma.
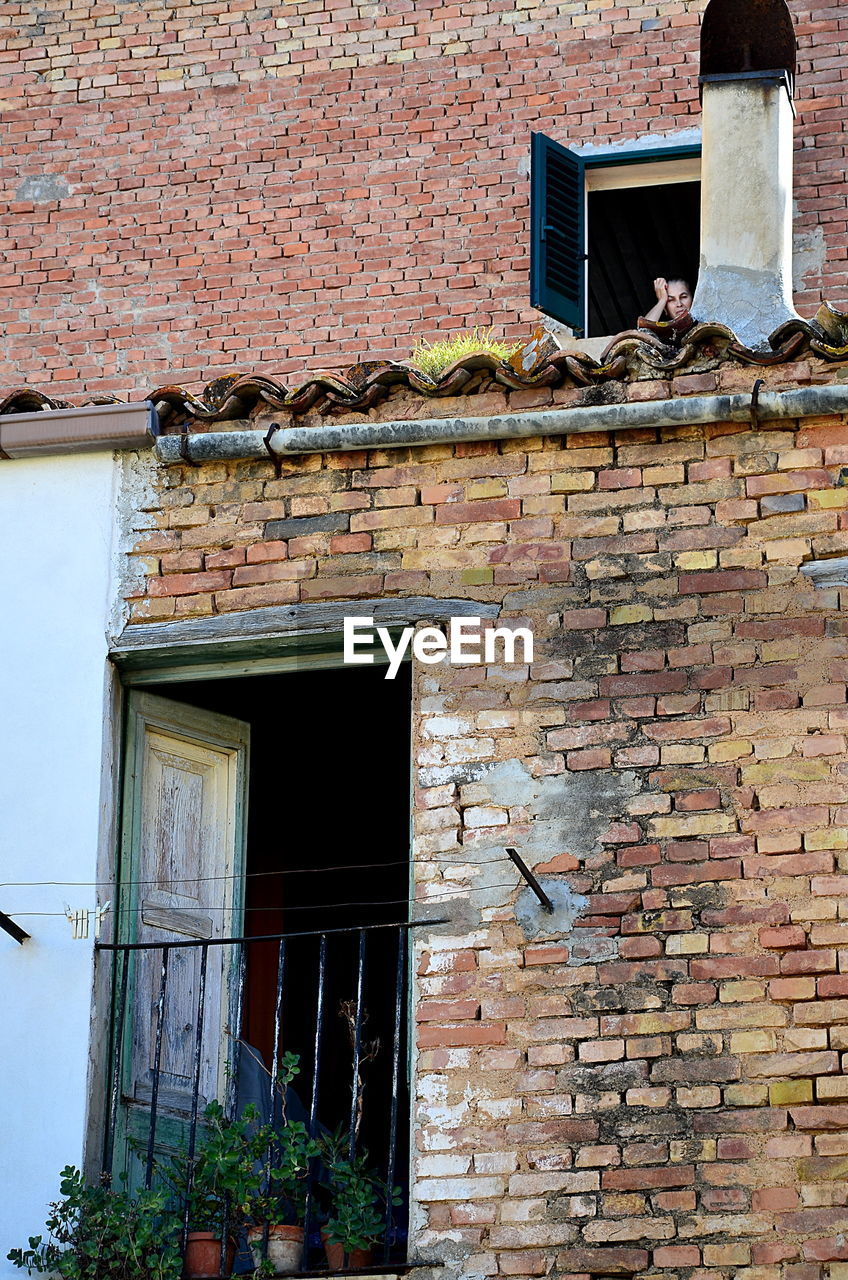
x,y
659,1089
197,186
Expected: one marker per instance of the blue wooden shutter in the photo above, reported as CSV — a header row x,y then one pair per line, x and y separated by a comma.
x,y
557,232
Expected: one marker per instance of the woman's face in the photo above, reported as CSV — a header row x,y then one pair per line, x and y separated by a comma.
x,y
679,299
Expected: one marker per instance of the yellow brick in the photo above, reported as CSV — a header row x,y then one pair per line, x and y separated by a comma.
x,y
682,753
779,650
787,550
832,1087
786,1092
726,1255
740,558
664,475
698,1042
477,577
733,1017
741,991
572,481
692,824
746,1095
693,1150
703,1095
753,1042
152,610
766,771
485,489
112,42
625,614
696,560
734,749
821,499
804,1038
170,74
829,838
687,944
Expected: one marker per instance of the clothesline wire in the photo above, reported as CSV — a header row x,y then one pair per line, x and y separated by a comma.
x,y
322,906
111,886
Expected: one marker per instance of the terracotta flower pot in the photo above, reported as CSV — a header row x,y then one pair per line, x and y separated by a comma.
x,y
285,1247
203,1256
336,1256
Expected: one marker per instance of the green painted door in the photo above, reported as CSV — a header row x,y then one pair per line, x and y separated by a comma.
x,y
182,868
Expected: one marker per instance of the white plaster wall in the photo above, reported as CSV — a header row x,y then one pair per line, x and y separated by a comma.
x,y
56,519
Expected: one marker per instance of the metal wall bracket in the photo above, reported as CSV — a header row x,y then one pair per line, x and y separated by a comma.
x,y
14,930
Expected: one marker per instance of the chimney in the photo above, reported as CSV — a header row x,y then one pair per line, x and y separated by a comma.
x,y
748,56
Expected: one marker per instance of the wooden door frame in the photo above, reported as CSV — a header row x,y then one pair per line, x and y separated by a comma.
x,y
260,641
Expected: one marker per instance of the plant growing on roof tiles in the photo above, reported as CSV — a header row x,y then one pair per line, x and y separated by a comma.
x,y
433,358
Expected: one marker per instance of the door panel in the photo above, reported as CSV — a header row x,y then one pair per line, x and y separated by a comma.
x,y
182,866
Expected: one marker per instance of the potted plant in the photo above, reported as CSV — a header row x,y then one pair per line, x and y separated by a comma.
x,y
276,1238
356,1217
222,1184
102,1233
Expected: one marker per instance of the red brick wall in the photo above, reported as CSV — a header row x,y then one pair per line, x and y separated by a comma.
x,y
197,186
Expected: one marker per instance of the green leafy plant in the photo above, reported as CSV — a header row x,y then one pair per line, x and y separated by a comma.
x,y
102,1233
289,1154
225,1180
433,358
357,1196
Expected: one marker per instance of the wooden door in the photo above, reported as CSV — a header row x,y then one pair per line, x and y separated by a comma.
x,y
182,869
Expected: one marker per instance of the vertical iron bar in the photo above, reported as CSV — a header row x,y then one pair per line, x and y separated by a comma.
x,y
225,1232
275,1067
393,1114
198,1053
231,1098
313,1105
357,1050
238,1011
109,1143
278,1027
157,1062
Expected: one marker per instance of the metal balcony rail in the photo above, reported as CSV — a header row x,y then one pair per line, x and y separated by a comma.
x,y
158,1110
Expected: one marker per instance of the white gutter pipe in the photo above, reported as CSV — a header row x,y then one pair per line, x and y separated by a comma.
x,y
81,430
803,402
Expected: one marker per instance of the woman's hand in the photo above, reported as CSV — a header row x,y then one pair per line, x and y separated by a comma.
x,y
661,290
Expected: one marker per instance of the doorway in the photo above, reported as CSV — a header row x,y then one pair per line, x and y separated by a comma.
x,y
323,860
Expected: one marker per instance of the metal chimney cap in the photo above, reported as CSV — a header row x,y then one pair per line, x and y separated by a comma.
x,y
747,35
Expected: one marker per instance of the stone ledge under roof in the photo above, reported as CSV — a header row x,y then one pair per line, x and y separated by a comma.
x,y
652,354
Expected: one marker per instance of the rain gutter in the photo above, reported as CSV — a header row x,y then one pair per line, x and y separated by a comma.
x,y
123,426
803,402
81,430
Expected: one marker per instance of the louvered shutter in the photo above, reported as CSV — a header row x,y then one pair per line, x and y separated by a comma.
x,y
557,232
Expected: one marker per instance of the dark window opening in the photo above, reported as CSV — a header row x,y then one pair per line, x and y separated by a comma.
x,y
594,254
328,818
636,234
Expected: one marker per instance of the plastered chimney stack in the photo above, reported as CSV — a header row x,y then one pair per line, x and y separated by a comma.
x,y
748,56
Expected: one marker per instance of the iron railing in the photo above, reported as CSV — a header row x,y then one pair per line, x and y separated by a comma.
x,y
307,972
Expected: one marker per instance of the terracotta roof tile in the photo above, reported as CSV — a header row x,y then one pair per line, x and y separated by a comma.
x,y
650,352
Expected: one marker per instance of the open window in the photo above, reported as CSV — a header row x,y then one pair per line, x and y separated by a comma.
x,y
264,908
604,227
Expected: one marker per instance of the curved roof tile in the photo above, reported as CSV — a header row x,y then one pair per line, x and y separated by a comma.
x,y
651,351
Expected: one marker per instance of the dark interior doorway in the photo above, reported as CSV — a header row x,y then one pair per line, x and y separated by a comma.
x,y
635,235
327,848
